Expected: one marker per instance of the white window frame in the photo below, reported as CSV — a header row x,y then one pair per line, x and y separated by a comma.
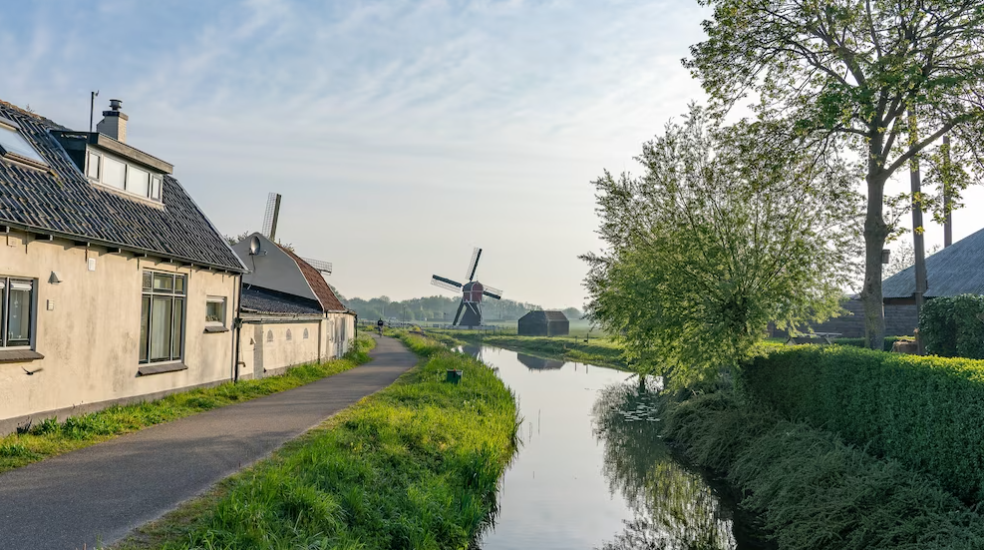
x,y
6,281
174,295
155,181
225,311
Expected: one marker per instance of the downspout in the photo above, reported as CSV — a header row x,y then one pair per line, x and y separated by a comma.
x,y
238,323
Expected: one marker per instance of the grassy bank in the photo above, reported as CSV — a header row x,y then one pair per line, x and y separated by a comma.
x,y
813,491
413,466
597,351
47,438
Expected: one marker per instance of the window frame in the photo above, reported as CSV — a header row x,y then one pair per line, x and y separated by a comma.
x,y
13,156
145,355
225,310
154,183
6,281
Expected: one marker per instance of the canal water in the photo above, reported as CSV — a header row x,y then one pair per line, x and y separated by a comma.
x,y
592,472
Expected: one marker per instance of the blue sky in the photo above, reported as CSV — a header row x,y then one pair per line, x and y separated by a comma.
x,y
401,134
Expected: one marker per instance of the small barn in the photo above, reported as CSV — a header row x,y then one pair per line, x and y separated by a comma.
x,y
544,323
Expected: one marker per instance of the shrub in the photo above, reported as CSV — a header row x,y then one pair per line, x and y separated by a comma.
x,y
926,412
814,492
862,343
954,326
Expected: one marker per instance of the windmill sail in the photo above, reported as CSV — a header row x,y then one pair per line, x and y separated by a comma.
x,y
492,292
270,216
446,283
320,265
457,316
473,264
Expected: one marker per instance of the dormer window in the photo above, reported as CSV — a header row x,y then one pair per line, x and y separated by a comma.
x,y
114,172
14,147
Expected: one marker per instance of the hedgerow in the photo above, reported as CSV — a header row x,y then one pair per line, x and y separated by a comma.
x,y
926,412
954,326
812,491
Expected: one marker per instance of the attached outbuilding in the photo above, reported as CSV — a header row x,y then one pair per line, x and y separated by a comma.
x,y
544,323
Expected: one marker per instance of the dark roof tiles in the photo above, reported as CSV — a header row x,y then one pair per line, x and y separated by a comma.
x,y
261,300
955,270
62,201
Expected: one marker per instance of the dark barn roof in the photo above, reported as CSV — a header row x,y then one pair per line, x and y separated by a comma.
x,y
546,315
62,202
955,270
261,300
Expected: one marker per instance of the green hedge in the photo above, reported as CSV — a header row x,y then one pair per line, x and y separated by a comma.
x,y
926,412
954,327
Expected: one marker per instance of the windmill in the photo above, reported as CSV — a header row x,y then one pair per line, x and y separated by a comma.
x,y
470,309
270,218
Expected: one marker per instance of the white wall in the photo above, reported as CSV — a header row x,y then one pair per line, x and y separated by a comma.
x,y
88,329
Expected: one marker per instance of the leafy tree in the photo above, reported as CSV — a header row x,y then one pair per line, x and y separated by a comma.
x,y
888,77
726,230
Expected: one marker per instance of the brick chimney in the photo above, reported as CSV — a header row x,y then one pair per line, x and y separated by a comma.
x,y
114,120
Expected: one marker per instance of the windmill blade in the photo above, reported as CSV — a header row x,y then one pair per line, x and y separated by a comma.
x,y
270,216
446,283
492,292
473,264
457,316
322,266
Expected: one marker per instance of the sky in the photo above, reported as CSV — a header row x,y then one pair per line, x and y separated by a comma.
x,y
400,134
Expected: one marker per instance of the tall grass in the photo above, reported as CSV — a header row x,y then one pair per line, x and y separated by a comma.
x,y
413,466
813,491
48,437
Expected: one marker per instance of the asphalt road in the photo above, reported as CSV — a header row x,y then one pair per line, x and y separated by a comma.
x,y
99,494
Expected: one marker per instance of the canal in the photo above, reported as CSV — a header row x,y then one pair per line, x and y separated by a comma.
x,y
592,472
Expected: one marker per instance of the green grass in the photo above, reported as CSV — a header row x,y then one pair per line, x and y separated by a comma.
x,y
47,438
597,351
415,465
811,490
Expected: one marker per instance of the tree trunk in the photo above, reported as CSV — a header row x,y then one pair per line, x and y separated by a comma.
x,y
875,233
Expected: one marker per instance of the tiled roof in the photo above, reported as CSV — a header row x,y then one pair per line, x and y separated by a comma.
x,y
551,316
261,300
64,203
955,270
325,295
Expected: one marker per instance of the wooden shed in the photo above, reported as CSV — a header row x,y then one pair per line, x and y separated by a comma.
x,y
544,323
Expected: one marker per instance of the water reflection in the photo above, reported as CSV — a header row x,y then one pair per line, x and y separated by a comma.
x,y
539,363
673,507
592,471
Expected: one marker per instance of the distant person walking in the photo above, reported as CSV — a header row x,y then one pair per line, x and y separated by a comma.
x,y
379,325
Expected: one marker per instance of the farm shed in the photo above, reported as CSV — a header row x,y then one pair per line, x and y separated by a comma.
x,y
955,270
544,323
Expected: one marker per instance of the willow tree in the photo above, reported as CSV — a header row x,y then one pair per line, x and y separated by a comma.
x,y
854,70
725,230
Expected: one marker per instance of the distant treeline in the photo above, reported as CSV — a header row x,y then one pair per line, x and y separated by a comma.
x,y
441,308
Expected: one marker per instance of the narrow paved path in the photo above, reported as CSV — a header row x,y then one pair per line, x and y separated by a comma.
x,y
100,493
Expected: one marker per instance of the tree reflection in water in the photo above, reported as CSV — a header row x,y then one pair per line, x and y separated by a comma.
x,y
674,508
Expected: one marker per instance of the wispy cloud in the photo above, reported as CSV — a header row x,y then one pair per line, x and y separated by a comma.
x,y
401,133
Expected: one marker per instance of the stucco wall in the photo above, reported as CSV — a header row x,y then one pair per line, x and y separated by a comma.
x,y
88,328
266,351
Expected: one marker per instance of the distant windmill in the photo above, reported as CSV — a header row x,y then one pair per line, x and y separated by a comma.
x,y
470,309
270,218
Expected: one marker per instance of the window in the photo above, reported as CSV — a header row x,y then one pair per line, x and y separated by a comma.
x,y
14,144
288,335
269,336
162,317
215,311
108,170
16,312
92,168
305,334
137,181
113,173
